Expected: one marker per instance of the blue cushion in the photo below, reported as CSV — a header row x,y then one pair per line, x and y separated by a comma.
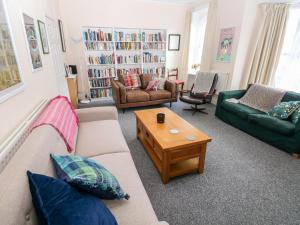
x,y
58,203
296,116
284,109
89,176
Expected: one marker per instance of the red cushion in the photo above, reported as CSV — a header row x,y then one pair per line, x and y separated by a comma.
x,y
179,81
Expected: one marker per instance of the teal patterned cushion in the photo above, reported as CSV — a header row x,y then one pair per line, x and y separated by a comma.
x,y
284,109
89,176
295,116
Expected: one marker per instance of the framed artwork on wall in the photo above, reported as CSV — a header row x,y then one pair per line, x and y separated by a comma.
x,y
11,81
174,42
62,36
43,36
32,43
225,44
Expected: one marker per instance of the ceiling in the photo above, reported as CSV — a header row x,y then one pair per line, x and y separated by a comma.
x,y
176,1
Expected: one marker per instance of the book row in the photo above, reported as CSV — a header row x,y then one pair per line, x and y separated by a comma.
x,y
101,73
155,70
153,36
129,71
150,58
97,83
123,59
90,45
100,93
128,45
154,45
123,36
103,59
97,35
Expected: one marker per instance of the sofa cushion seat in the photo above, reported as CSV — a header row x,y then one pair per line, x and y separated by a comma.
x,y
284,127
138,209
133,96
240,110
159,94
100,137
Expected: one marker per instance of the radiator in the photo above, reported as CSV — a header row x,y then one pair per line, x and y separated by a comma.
x,y
13,142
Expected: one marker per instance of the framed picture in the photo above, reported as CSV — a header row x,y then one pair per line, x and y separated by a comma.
x,y
174,42
32,43
62,36
11,81
43,36
225,44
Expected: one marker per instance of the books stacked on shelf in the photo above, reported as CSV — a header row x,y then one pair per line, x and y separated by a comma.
x,y
161,71
100,83
128,59
152,37
151,58
128,45
154,45
101,93
129,71
99,46
124,36
101,60
97,35
101,73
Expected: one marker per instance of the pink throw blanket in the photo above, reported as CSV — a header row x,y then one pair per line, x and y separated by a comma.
x,y
60,114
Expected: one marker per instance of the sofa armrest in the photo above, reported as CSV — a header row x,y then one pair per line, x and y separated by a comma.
x,y
97,113
116,92
171,87
297,127
122,91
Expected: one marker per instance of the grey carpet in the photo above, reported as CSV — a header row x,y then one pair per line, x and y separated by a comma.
x,y
245,181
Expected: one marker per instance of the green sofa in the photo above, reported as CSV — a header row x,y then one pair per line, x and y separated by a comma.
x,y
280,133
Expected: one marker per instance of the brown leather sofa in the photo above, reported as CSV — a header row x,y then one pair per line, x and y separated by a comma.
x,y
127,98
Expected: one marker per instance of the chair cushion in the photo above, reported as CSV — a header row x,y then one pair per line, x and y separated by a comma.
x,y
58,203
159,94
133,96
179,81
89,176
191,100
274,124
239,110
96,138
138,209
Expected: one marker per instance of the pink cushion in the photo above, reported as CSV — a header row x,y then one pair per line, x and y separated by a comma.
x,y
152,85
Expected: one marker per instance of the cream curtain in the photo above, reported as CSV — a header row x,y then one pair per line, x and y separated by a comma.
x,y
267,48
185,49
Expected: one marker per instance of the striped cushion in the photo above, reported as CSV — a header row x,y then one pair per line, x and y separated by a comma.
x,y
131,81
87,175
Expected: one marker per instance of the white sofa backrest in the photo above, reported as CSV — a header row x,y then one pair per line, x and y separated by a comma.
x,y
16,206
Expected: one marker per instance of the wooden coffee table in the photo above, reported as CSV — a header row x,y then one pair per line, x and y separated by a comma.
x,y
172,154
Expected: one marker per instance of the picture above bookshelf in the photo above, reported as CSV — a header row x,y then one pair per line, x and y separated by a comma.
x,y
111,52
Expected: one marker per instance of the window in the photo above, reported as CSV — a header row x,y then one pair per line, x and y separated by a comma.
x,y
288,71
197,33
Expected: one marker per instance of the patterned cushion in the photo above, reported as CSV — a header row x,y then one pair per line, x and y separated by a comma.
x,y
152,85
146,78
131,81
86,174
295,116
58,203
284,109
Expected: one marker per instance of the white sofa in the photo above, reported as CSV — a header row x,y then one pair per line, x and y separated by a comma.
x,y
99,138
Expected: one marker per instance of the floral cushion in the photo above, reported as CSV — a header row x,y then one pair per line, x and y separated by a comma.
x,y
131,81
296,116
89,176
284,109
152,85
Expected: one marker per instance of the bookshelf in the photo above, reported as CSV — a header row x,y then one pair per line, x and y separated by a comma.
x,y
113,51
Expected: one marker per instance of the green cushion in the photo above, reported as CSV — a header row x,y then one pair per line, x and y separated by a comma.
x,y
295,116
284,109
240,110
284,127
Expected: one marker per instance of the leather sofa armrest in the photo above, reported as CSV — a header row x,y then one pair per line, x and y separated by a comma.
x,y
171,87
115,92
97,113
122,91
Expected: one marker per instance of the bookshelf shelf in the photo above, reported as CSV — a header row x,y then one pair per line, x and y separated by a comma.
x,y
126,50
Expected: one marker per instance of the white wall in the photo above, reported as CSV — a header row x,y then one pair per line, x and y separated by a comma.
x,y
41,84
118,13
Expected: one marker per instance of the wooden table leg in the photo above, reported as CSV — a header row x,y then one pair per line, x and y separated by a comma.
x,y
202,158
165,174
